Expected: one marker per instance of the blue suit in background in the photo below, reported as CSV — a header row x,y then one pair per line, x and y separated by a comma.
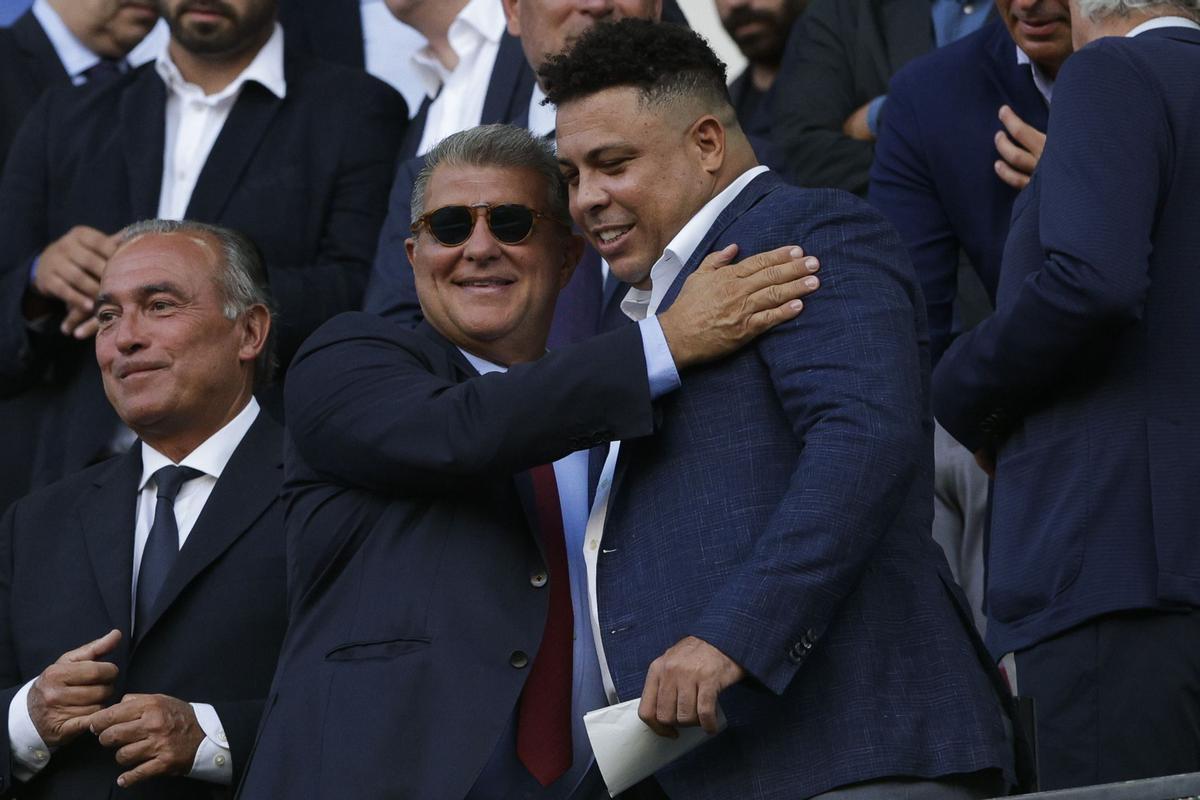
x,y
11,9
1085,381
781,513
933,176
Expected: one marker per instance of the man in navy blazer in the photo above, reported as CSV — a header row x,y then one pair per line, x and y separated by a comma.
x,y
769,546
935,178
138,634
1079,389
421,564
302,163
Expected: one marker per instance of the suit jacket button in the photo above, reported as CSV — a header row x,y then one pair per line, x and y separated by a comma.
x,y
538,579
518,660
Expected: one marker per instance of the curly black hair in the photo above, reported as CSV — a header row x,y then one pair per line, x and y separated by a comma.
x,y
661,60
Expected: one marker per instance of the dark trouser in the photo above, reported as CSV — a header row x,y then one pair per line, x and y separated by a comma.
x,y
971,786
1118,698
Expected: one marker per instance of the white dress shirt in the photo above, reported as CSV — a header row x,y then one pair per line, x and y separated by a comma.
x,y
543,119
474,36
194,120
213,761
640,304
1043,82
388,47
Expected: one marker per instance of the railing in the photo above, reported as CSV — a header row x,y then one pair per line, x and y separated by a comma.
x,y
1173,787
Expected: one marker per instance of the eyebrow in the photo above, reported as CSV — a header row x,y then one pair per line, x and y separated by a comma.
x,y
148,290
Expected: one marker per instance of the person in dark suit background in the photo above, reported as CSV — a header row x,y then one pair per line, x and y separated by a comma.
x,y
1079,389
760,28
935,178
56,43
225,126
435,649
833,82
143,599
769,546
537,28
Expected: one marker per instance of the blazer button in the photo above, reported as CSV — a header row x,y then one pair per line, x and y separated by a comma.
x,y
538,579
518,660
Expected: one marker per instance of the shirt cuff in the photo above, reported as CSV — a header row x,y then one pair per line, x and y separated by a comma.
x,y
213,762
30,754
660,366
874,110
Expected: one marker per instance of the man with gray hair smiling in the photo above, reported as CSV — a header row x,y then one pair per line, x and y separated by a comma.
x,y
1079,392
153,581
438,490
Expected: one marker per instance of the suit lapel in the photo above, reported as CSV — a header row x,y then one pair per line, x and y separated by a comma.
x,y
142,114
511,85
47,70
247,487
1014,80
907,33
237,143
106,520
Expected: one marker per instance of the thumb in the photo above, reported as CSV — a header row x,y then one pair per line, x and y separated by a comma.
x,y
720,258
94,649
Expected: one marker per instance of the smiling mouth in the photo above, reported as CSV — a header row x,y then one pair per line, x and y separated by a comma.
x,y
130,372
484,283
611,237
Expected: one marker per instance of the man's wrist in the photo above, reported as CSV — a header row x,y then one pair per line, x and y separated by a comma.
x,y
29,752
213,761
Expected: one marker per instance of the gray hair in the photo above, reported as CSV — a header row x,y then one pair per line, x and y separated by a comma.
x,y
242,280
503,146
1098,9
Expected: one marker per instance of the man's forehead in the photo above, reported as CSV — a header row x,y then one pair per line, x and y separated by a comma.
x,y
470,183
177,257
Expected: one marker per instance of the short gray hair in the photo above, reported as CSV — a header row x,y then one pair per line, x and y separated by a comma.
x,y
242,280
503,146
1098,9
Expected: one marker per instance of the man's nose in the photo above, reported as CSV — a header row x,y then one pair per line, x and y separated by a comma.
x,y
481,245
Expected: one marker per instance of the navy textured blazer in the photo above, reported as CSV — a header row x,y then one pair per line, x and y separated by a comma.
x,y
782,512
66,572
933,175
415,612
28,66
1085,376
306,177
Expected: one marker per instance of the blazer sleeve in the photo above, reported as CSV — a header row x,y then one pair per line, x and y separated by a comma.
x,y
374,119
848,374
368,407
391,290
1100,180
903,188
813,98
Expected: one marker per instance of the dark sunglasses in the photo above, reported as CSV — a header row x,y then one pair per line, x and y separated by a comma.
x,y
509,223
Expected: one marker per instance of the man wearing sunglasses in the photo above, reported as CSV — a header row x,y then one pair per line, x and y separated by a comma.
x,y
439,642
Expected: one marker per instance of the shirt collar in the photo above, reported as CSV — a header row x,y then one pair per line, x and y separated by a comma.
x,y
266,69
1164,22
75,56
211,456
542,118
681,248
479,21
1043,82
482,365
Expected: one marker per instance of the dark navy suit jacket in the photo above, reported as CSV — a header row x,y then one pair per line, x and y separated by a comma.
x,y
782,513
305,177
1085,376
933,176
66,572
414,610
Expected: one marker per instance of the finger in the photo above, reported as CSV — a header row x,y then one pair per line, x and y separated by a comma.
x,y
762,321
759,262
1018,157
121,713
719,258
122,733
88,329
1028,136
685,705
78,722
1010,176
97,675
87,260
69,697
56,286
75,317
93,649
647,709
147,769
706,707
96,241
775,275
777,295
134,753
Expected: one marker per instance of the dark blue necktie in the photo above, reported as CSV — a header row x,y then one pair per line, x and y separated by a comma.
x,y
162,546
103,70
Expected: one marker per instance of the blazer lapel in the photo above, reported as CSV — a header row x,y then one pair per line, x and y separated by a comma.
x,y
35,44
106,520
237,143
247,487
1014,80
511,85
142,113
755,191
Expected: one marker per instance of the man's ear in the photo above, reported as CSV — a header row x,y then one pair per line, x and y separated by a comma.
x,y
256,327
410,247
514,20
708,136
573,252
